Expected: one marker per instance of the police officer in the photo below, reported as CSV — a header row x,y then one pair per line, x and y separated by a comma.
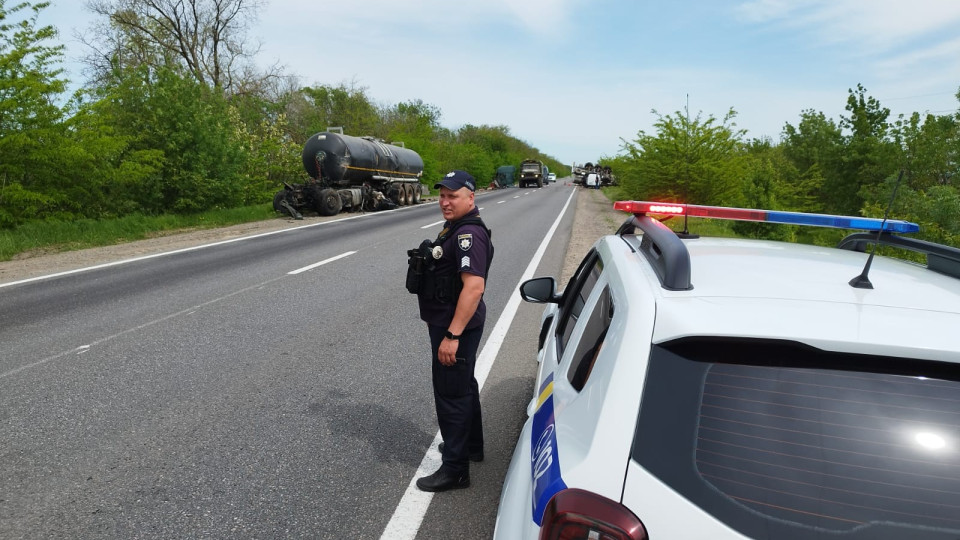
x,y
453,308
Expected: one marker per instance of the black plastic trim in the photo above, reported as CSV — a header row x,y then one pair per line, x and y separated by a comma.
x,y
666,252
940,258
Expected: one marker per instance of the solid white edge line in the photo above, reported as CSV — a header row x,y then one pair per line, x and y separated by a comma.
x,y
194,248
321,263
434,224
406,519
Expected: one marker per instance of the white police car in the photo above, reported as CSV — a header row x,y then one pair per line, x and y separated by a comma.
x,y
728,388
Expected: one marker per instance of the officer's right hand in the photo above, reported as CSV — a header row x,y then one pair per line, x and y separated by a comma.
x,y
447,352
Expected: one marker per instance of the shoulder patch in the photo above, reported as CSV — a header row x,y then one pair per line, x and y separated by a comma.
x,y
465,241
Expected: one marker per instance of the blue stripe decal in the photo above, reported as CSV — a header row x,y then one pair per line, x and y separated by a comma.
x,y
544,462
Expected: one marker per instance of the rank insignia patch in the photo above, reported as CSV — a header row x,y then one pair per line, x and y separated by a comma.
x,y
465,241
465,262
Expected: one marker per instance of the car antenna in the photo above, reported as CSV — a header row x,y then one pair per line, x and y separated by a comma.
x,y
863,281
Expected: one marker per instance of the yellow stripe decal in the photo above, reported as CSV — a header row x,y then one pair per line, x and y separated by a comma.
x,y
545,394
382,171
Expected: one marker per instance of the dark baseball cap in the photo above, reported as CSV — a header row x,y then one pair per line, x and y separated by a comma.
x,y
457,179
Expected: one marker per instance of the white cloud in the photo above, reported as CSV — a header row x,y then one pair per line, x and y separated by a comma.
x,y
868,24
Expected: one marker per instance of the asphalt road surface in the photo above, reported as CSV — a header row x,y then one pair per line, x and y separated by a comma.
x,y
245,390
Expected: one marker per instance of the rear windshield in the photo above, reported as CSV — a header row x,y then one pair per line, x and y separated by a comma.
x,y
791,442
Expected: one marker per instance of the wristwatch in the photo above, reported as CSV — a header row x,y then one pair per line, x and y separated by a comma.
x,y
449,335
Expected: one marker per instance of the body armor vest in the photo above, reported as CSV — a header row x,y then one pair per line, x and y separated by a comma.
x,y
423,278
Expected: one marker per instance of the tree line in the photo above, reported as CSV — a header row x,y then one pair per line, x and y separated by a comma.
x,y
177,118
848,166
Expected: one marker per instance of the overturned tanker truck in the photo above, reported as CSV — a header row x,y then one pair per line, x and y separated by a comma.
x,y
352,173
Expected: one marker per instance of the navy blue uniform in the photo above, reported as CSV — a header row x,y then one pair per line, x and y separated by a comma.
x,y
455,388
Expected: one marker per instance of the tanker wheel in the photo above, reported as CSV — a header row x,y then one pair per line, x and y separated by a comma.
x,y
417,190
409,189
329,203
396,195
277,199
404,194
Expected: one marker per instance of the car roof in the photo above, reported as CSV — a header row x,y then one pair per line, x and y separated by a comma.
x,y
777,290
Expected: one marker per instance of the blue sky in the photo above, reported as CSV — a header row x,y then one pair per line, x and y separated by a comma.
x,y
574,77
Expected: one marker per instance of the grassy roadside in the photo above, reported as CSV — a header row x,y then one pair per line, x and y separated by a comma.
x,y
57,236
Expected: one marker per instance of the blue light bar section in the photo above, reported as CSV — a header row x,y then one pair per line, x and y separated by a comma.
x,y
842,222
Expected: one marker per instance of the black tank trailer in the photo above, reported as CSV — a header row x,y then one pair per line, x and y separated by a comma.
x,y
354,173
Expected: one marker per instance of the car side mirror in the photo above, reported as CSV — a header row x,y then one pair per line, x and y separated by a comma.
x,y
541,290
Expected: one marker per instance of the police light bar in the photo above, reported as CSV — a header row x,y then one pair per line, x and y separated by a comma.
x,y
768,216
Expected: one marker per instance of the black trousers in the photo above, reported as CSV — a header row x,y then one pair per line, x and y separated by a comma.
x,y
457,397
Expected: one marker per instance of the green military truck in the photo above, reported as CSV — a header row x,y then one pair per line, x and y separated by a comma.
x,y
531,173
505,175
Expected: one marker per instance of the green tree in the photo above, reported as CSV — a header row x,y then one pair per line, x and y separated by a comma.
x,y
929,151
190,124
868,157
318,107
31,129
206,39
690,160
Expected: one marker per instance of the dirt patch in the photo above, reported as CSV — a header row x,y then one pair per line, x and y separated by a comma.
x,y
594,218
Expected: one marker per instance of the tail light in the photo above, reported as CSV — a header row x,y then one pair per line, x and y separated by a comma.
x,y
575,514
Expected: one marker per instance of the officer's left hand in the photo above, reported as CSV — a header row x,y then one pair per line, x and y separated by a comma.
x,y
447,353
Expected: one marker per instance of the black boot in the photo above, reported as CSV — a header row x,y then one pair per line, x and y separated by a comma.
x,y
443,481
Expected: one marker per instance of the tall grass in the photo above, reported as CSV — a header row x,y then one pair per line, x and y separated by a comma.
x,y
56,236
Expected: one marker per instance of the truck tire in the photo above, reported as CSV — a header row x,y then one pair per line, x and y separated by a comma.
x,y
417,191
329,203
540,182
409,189
277,199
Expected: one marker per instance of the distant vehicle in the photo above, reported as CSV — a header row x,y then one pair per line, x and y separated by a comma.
x,y
592,180
506,175
580,171
531,173
355,173
551,177
604,173
721,388
606,176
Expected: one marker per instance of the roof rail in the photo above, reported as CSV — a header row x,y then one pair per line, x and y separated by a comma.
x,y
940,258
664,250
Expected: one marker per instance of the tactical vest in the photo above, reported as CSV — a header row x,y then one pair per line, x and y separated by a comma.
x,y
423,278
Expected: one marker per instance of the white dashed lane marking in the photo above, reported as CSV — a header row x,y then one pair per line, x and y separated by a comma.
x,y
321,263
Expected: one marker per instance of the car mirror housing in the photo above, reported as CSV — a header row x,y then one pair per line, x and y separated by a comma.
x,y
542,290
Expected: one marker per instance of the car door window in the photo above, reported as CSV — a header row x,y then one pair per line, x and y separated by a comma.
x,y
575,296
591,340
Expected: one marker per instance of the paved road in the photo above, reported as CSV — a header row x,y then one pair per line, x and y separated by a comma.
x,y
229,393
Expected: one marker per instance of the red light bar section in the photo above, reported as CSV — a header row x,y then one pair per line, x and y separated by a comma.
x,y
715,212
643,207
